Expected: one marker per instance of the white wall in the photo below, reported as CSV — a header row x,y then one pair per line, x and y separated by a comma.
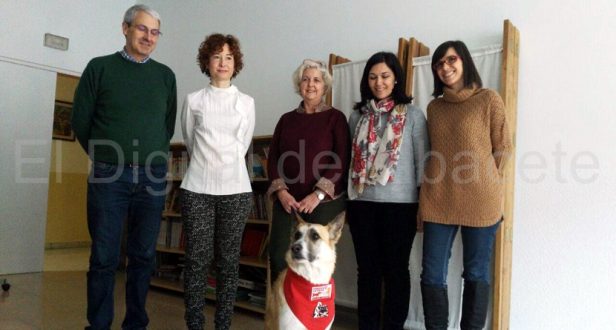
x,y
564,248
27,92
563,244
25,150
93,29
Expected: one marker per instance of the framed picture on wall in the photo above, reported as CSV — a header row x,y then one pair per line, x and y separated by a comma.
x,y
62,128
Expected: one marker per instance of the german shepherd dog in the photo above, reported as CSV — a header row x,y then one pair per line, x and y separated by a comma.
x,y
303,295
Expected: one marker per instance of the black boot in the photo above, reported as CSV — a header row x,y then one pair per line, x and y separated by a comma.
x,y
474,305
435,306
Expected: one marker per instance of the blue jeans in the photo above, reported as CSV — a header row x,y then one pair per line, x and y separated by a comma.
x,y
118,193
478,245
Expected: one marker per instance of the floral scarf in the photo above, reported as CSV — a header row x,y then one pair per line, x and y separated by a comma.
x,y
373,158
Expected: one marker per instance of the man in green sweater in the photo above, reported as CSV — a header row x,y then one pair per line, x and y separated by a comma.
x,y
124,116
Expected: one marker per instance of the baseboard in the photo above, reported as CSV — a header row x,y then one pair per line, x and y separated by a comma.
x,y
67,245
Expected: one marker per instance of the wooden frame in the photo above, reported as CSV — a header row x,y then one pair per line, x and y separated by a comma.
x,y
407,50
333,60
501,299
62,128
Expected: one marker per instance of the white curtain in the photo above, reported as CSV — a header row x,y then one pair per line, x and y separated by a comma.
x,y
345,90
345,93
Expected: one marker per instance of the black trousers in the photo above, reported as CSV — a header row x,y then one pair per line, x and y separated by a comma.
x,y
213,225
383,235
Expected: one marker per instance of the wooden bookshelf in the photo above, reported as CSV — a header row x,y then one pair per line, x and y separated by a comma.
x,y
177,286
242,304
257,221
171,214
164,249
253,261
244,260
170,247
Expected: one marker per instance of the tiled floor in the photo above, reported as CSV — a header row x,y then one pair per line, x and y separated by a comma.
x,y
56,299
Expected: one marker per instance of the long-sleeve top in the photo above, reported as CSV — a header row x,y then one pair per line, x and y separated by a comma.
x,y
463,183
409,171
310,151
217,125
126,110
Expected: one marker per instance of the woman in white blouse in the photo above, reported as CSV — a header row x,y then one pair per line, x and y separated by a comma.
x,y
217,124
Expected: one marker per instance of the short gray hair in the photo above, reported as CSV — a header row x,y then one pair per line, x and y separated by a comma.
x,y
312,64
131,12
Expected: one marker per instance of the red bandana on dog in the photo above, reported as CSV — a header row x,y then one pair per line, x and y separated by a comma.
x,y
312,304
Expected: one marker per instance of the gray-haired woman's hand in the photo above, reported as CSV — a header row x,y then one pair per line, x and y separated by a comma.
x,y
287,201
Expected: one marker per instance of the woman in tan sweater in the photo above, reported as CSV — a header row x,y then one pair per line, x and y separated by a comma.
x,y
462,186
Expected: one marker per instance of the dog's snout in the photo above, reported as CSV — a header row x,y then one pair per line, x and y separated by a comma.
x,y
297,251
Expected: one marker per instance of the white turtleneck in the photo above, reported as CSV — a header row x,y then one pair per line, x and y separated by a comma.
x,y
217,124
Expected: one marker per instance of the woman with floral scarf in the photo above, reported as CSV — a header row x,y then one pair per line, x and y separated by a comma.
x,y
389,146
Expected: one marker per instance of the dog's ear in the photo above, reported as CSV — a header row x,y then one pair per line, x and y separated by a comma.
x,y
299,219
335,227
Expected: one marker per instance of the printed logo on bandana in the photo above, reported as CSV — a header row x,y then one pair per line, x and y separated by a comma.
x,y
321,292
320,311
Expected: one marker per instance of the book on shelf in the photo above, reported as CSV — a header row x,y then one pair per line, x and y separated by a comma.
x,y
175,275
162,233
176,234
169,271
261,208
256,158
242,294
257,167
258,208
172,200
253,208
251,282
210,284
263,249
177,166
182,239
265,154
252,242
251,285
246,284
171,234
257,298
266,151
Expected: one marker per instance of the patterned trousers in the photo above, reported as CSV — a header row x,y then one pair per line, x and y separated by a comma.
x,y
213,227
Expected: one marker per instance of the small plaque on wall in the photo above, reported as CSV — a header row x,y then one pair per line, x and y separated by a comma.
x,y
54,41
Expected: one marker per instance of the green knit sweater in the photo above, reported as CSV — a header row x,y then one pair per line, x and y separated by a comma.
x,y
126,111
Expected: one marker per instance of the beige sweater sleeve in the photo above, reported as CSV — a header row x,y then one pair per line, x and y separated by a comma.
x,y
499,133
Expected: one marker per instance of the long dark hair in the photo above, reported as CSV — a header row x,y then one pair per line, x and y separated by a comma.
x,y
397,94
470,75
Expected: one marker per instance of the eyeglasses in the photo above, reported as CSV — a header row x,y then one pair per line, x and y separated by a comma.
x,y
450,60
144,29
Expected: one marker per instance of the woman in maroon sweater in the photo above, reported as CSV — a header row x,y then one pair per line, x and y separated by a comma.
x,y
307,161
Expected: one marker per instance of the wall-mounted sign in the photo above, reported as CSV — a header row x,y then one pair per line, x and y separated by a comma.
x,y
54,41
